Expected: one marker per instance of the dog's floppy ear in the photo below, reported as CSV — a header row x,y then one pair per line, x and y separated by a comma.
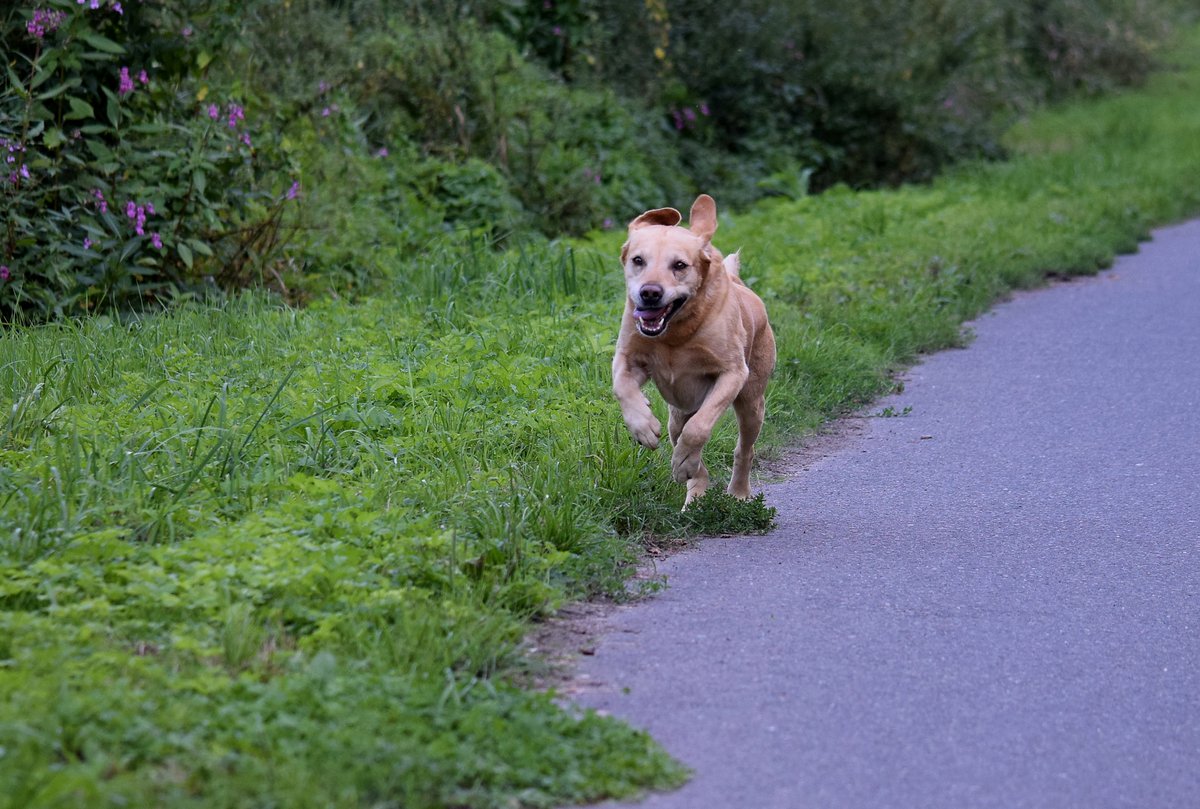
x,y
659,216
703,218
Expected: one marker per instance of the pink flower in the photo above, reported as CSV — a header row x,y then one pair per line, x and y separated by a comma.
x,y
126,83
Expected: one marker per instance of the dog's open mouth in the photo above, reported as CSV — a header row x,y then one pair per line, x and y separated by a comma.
x,y
653,322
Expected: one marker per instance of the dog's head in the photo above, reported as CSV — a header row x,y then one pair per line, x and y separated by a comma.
x,y
667,265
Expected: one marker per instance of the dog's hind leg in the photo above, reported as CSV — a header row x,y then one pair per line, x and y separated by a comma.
x,y
697,484
750,412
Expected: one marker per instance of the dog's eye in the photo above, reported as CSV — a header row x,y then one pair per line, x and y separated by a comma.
x,y
679,266
638,261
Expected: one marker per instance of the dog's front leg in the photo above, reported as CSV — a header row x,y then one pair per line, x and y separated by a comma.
x,y
628,378
685,460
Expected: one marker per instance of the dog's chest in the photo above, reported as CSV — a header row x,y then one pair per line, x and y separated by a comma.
x,y
684,380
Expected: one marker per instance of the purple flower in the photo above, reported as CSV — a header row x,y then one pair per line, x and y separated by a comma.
x,y
214,112
325,112
99,195
95,4
87,243
236,113
44,22
383,152
704,108
126,83
294,191
117,8
25,171
143,78
4,273
246,138
187,31
138,214
150,208
156,240
558,31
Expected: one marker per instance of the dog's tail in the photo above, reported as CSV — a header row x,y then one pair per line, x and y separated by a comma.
x,y
733,264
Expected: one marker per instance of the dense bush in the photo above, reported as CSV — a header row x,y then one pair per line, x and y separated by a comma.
x,y
126,179
867,91
165,148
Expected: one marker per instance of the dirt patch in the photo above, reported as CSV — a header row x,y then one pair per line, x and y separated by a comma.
x,y
553,647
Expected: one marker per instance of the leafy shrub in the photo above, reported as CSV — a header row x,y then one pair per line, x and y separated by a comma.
x,y
308,145
127,179
865,91
490,140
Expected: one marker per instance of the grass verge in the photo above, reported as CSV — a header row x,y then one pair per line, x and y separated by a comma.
x,y
252,556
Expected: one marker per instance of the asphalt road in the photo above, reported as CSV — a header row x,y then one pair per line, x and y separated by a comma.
x,y
993,601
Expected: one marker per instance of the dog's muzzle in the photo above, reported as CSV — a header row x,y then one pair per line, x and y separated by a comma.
x,y
653,322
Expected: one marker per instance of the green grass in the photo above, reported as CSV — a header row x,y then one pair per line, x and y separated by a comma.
x,y
254,556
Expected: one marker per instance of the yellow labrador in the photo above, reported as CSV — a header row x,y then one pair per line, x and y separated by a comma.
x,y
693,327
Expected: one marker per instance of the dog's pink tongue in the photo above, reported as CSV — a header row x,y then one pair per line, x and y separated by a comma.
x,y
649,314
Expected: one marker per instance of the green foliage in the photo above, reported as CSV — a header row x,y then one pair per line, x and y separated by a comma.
x,y
716,513
863,92
252,555
303,146
122,185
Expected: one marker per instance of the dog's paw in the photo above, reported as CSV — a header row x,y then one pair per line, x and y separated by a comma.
x,y
685,462
645,429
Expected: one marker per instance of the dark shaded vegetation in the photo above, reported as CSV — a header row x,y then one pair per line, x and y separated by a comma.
x,y
316,146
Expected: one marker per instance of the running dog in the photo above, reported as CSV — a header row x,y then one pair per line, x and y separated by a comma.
x,y
696,329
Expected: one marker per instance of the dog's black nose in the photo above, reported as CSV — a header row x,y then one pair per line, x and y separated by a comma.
x,y
651,295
